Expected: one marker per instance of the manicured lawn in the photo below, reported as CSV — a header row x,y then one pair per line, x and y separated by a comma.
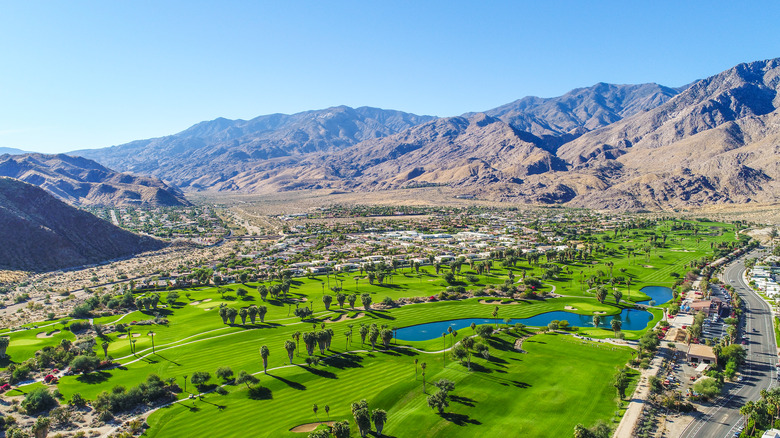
x,y
533,394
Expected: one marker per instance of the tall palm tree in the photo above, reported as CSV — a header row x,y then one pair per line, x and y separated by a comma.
x,y
264,353
423,366
415,368
616,325
290,347
596,321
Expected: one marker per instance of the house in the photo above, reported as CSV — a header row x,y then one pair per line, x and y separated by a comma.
x,y
701,306
699,353
771,433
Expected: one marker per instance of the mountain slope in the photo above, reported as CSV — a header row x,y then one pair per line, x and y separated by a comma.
x,y
582,109
714,143
85,182
42,233
212,152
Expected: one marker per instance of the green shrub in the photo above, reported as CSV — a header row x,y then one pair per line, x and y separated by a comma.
x,y
38,400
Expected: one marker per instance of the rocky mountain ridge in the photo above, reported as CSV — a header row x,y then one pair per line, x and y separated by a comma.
x,y
81,181
607,146
41,233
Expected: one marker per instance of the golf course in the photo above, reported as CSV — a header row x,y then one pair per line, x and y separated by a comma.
x,y
523,379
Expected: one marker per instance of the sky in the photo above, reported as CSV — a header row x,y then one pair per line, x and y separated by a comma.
x,y
91,74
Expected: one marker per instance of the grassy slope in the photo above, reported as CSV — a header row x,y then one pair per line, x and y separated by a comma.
x,y
556,374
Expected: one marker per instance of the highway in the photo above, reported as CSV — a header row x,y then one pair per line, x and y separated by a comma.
x,y
722,418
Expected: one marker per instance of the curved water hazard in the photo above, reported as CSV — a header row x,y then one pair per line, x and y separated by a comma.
x,y
632,319
659,294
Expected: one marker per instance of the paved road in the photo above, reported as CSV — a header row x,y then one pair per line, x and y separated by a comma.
x,y
723,418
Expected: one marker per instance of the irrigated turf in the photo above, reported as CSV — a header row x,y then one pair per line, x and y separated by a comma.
x,y
560,382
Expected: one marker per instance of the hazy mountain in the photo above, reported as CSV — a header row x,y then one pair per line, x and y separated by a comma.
x,y
85,182
42,233
12,151
212,152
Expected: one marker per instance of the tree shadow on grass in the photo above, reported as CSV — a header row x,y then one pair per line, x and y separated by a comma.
x,y
379,314
463,400
260,393
320,373
345,361
290,383
94,378
480,368
459,419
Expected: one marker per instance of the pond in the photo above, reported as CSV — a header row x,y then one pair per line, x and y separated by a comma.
x,y
632,320
659,294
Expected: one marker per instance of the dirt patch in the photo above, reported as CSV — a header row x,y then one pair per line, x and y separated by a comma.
x,y
308,427
570,308
46,335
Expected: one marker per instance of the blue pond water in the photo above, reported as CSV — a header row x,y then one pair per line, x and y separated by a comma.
x,y
659,294
632,319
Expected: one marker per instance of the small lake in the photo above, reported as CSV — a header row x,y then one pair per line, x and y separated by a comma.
x,y
659,294
632,319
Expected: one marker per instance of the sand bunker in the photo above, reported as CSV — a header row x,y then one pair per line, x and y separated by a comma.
x,y
195,303
488,301
570,308
45,335
359,315
206,300
308,427
341,317
599,313
648,266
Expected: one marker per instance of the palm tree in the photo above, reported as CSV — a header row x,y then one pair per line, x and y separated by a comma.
x,y
601,294
264,353
423,366
495,315
297,337
315,408
380,417
327,411
596,321
616,325
415,368
468,343
618,296
290,347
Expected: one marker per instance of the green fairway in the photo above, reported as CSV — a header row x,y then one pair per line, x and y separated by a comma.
x,y
557,372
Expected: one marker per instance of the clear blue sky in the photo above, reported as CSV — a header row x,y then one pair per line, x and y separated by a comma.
x,y
87,74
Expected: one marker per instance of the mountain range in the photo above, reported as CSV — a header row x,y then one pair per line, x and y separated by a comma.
x,y
607,146
81,181
41,233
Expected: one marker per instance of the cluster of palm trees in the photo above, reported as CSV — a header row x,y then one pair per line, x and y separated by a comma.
x,y
253,312
762,414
